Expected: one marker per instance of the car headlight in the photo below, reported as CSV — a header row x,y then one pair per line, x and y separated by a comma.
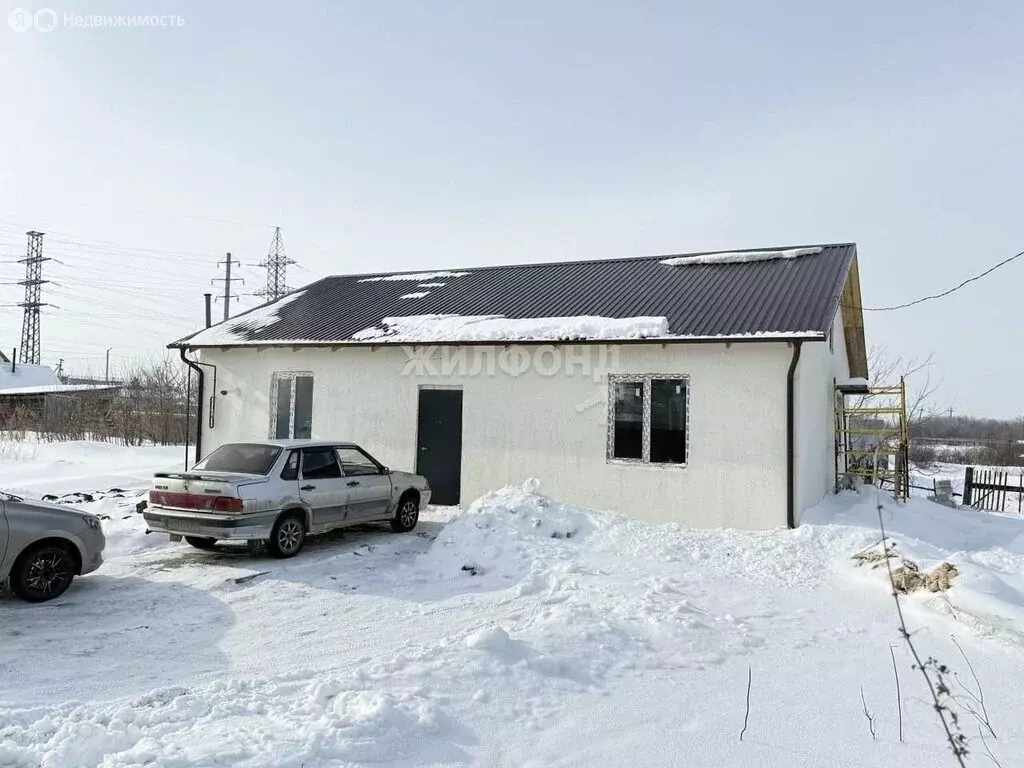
x,y
94,523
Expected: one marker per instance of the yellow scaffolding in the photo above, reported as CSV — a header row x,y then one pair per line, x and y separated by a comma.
x,y
871,436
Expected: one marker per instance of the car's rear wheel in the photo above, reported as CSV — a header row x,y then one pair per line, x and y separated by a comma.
x,y
201,542
42,573
407,513
288,536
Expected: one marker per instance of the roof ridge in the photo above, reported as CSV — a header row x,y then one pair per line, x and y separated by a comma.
x,y
564,262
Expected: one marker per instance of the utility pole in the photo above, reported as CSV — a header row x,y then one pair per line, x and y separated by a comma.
x,y
33,261
276,264
228,279
207,297
106,375
60,369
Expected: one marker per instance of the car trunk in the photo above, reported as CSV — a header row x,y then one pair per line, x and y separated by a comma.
x,y
201,491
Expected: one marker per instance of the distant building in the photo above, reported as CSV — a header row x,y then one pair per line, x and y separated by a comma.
x,y
30,394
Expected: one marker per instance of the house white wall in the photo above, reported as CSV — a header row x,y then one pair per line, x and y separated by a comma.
x,y
553,427
814,403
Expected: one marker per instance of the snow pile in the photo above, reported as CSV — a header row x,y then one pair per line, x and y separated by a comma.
x,y
438,328
324,722
415,277
509,536
238,329
739,257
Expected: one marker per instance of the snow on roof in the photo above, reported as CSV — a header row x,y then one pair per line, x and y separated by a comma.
x,y
414,295
415,277
27,376
739,257
237,329
55,389
439,328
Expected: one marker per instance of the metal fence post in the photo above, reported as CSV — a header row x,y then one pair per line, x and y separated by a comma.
x,y
968,485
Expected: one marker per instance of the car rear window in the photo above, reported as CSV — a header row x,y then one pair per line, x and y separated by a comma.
x,y
248,458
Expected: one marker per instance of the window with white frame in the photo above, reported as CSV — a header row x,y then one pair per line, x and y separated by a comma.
x,y
291,405
648,418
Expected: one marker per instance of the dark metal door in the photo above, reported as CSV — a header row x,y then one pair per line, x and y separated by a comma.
x,y
439,443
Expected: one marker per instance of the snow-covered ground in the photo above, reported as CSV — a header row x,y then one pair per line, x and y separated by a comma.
x,y
522,632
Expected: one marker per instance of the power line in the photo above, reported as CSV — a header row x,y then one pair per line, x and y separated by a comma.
x,y
923,299
228,280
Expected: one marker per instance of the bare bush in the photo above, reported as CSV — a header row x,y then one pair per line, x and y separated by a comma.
x,y
152,404
887,370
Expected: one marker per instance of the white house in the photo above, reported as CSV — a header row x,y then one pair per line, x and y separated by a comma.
x,y
696,389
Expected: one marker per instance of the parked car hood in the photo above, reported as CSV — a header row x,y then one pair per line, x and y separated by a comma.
x,y
46,507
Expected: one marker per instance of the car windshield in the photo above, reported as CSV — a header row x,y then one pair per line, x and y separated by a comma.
x,y
247,458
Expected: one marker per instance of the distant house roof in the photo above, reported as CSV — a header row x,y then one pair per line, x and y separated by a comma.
x,y
757,294
56,389
28,379
26,375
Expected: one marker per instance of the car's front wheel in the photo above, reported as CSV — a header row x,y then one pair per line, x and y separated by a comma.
x,y
406,514
42,573
288,536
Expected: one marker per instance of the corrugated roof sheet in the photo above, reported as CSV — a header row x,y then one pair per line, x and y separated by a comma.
x,y
773,297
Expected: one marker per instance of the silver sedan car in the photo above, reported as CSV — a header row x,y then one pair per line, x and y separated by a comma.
x,y
280,491
44,546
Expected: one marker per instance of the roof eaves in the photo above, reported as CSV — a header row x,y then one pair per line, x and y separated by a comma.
x,y
763,338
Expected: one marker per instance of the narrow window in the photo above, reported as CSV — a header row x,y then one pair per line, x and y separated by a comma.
x,y
303,427
283,416
668,421
629,420
292,406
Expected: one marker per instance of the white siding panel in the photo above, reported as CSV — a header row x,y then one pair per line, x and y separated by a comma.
x,y
815,416
553,427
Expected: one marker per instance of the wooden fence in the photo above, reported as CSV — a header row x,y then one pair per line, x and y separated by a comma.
x,y
989,489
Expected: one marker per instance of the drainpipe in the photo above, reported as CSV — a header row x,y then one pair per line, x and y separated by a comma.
x,y
791,437
199,404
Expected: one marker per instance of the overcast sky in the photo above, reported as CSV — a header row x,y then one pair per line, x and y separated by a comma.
x,y
417,135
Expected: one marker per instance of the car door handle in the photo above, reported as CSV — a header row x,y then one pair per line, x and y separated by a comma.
x,y
308,488
350,483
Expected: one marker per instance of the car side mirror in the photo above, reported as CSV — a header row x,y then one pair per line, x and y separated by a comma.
x,y
386,471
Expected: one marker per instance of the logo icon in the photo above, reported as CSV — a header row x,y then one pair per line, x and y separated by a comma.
x,y
20,20
45,19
